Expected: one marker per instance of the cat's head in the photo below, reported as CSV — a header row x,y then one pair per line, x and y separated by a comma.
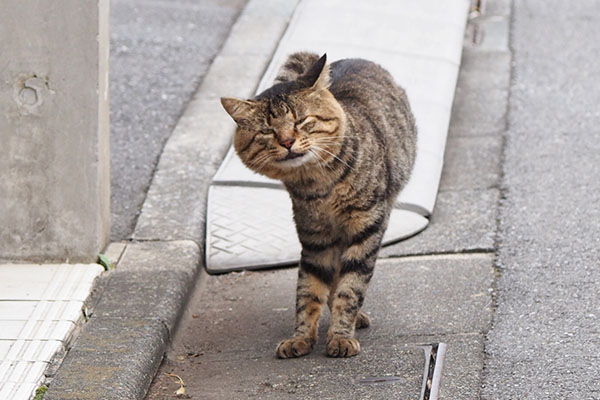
x,y
291,129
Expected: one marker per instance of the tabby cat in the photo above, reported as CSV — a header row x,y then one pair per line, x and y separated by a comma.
x,y
342,139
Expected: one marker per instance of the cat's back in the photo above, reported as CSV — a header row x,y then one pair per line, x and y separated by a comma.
x,y
355,79
379,115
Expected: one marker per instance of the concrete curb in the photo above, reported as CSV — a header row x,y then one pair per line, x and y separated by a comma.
x,y
121,347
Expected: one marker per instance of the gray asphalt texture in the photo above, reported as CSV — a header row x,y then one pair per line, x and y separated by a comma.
x,y
160,51
546,332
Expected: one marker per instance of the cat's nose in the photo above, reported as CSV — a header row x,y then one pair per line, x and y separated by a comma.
x,y
287,143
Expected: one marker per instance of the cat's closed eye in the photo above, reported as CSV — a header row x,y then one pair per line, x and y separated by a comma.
x,y
305,126
267,131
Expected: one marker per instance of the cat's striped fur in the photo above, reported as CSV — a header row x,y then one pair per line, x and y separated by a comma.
x,y
342,139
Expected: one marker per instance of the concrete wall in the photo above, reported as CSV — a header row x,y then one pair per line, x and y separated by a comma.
x,y
54,130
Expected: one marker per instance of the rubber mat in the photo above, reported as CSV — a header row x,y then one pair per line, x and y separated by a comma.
x,y
420,43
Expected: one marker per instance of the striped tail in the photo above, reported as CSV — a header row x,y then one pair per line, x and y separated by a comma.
x,y
296,65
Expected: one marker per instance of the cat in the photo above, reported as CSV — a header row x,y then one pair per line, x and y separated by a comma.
x,y
342,139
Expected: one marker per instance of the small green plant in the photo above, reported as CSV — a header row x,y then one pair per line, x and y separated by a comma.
x,y
105,262
40,392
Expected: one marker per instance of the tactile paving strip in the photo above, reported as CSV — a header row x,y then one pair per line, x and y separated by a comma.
x,y
39,308
420,43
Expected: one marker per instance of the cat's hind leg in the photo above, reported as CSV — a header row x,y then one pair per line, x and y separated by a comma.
x,y
362,320
312,291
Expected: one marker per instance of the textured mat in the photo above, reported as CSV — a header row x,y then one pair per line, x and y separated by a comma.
x,y
420,43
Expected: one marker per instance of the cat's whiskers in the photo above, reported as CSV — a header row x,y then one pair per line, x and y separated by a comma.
x,y
317,158
333,155
258,164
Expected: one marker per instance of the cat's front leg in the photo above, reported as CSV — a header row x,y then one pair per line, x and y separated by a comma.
x,y
357,265
345,310
315,276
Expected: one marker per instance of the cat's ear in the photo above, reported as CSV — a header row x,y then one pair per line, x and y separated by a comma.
x,y
240,110
318,76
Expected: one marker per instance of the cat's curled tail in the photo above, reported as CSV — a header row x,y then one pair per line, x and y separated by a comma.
x,y
296,65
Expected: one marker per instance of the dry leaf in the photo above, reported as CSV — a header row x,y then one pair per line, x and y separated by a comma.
x,y
178,380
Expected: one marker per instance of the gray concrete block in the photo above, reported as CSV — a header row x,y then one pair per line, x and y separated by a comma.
x,y
463,367
472,163
481,98
463,221
54,129
113,359
233,76
252,41
145,296
430,295
478,112
114,251
152,280
484,70
497,8
182,256
491,33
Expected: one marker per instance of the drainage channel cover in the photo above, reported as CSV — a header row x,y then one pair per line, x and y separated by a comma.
x,y
249,217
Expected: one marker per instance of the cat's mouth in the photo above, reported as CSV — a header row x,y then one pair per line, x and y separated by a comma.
x,y
291,155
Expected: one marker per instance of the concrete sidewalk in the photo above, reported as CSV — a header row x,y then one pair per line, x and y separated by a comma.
x,y
434,288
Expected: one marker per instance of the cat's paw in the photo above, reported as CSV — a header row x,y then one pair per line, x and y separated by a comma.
x,y
362,320
294,347
341,346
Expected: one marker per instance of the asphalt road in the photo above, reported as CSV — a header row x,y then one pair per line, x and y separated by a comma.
x,y
545,337
160,51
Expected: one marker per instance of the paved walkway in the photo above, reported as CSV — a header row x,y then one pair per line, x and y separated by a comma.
x,y
434,288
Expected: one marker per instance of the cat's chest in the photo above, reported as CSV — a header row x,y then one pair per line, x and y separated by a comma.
x,y
331,211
